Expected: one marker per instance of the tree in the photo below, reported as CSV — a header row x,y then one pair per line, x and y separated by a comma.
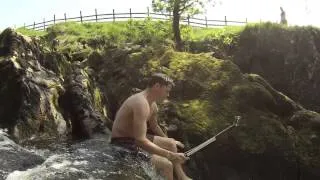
x,y
178,8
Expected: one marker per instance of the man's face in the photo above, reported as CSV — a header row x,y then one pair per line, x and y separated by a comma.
x,y
163,91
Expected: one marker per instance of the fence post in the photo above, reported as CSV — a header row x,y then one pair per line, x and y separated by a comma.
x,y
34,25
65,17
44,24
130,14
148,11
81,16
188,19
54,19
206,21
114,19
24,25
95,10
246,20
225,20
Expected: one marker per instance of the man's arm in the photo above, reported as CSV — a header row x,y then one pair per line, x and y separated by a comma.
x,y
156,129
153,123
140,114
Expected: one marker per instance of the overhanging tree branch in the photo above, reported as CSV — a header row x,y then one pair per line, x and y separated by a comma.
x,y
186,7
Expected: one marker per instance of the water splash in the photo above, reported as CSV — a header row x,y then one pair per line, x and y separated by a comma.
x,y
91,159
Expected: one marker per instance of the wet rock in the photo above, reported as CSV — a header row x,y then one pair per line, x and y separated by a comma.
x,y
78,108
288,59
28,90
90,159
14,157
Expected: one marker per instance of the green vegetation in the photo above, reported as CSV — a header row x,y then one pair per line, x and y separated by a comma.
x,y
31,32
76,37
225,34
149,31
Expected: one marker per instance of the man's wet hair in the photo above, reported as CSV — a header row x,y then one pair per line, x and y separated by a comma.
x,y
160,78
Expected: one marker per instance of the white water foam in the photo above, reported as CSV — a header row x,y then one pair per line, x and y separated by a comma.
x,y
57,162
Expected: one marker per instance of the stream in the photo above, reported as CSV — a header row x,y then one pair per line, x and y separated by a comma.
x,y
89,159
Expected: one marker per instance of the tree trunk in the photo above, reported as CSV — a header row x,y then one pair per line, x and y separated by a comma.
x,y
176,25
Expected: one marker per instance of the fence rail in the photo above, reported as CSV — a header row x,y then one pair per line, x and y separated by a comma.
x,y
112,17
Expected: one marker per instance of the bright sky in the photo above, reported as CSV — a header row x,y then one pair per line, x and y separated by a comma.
x,y
15,13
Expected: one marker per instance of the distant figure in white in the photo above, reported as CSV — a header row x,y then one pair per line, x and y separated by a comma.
x,y
283,17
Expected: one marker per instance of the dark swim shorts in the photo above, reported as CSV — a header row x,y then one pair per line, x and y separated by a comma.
x,y
129,144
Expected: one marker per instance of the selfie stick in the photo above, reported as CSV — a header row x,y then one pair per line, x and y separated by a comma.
x,y
209,141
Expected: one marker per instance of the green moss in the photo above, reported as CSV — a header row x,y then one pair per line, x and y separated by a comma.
x,y
253,94
97,97
203,90
195,113
136,56
202,72
55,95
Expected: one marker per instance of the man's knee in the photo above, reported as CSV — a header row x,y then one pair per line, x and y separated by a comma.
x,y
168,168
167,143
162,164
168,164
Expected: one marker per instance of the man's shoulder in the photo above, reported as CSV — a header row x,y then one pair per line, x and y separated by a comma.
x,y
137,100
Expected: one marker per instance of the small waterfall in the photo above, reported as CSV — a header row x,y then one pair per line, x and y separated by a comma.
x,y
89,159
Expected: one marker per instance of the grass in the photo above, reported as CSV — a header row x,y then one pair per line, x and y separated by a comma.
x,y
198,34
31,32
193,33
81,38
133,31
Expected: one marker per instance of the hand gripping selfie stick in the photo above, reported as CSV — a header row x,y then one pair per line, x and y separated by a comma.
x,y
209,141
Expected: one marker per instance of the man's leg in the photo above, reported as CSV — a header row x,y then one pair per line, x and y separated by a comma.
x,y
170,144
163,165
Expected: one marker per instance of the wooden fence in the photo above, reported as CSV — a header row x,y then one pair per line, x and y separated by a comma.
x,y
109,17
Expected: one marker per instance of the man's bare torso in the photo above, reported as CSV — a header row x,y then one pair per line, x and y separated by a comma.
x,y
122,125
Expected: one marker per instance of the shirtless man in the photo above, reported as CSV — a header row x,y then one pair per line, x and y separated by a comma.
x,y
130,127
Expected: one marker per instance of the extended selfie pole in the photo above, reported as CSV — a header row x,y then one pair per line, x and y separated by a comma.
x,y
209,141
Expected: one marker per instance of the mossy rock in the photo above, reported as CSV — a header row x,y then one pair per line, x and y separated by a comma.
x,y
286,57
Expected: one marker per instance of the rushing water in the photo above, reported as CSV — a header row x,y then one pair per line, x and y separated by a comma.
x,y
89,159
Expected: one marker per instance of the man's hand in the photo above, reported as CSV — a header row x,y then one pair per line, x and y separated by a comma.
x,y
177,157
179,144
